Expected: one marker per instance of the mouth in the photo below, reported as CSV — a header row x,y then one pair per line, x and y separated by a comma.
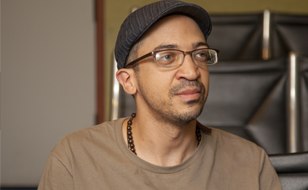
x,y
189,94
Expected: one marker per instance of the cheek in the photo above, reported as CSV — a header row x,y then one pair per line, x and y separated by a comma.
x,y
158,85
205,80
150,81
153,76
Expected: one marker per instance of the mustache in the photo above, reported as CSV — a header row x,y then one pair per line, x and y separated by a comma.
x,y
186,83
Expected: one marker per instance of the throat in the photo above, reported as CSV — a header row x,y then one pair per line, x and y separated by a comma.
x,y
161,153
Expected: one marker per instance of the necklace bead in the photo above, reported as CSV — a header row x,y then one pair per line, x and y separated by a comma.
x,y
130,140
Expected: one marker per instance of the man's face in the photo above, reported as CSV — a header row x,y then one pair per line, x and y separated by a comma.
x,y
176,95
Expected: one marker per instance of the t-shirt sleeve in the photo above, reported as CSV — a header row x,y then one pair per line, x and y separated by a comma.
x,y
57,174
268,177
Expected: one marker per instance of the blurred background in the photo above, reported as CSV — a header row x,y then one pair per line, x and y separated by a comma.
x,y
57,66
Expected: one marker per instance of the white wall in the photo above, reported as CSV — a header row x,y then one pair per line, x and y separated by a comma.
x,y
47,80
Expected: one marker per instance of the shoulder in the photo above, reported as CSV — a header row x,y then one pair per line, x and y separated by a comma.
x,y
230,151
237,147
106,130
87,138
245,159
231,139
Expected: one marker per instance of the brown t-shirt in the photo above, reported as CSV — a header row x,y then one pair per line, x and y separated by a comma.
x,y
97,158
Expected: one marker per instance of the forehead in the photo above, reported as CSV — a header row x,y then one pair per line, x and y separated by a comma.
x,y
178,30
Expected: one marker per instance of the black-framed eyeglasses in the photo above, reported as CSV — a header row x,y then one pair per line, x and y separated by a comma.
x,y
173,58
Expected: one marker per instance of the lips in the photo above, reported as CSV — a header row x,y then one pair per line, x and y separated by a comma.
x,y
189,94
188,91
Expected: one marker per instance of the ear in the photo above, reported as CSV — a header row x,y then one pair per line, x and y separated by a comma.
x,y
126,78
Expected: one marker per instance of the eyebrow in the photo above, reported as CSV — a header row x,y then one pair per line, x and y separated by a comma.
x,y
174,46
198,44
166,46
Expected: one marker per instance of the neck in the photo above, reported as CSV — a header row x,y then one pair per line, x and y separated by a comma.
x,y
162,144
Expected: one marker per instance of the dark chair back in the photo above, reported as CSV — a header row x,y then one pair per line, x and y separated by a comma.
x,y
249,99
238,37
288,33
292,170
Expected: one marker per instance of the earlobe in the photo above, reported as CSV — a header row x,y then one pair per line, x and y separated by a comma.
x,y
125,78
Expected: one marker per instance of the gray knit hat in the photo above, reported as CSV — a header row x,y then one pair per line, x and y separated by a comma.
x,y
141,20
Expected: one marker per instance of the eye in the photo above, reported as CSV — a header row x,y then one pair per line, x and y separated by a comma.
x,y
165,57
202,55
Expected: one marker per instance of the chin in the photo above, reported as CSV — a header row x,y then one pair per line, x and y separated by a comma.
x,y
189,115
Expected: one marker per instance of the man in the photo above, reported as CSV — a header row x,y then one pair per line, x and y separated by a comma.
x,y
163,57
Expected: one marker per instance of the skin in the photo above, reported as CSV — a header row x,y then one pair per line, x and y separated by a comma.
x,y
167,101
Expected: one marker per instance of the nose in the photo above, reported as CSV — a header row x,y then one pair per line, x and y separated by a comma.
x,y
188,70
